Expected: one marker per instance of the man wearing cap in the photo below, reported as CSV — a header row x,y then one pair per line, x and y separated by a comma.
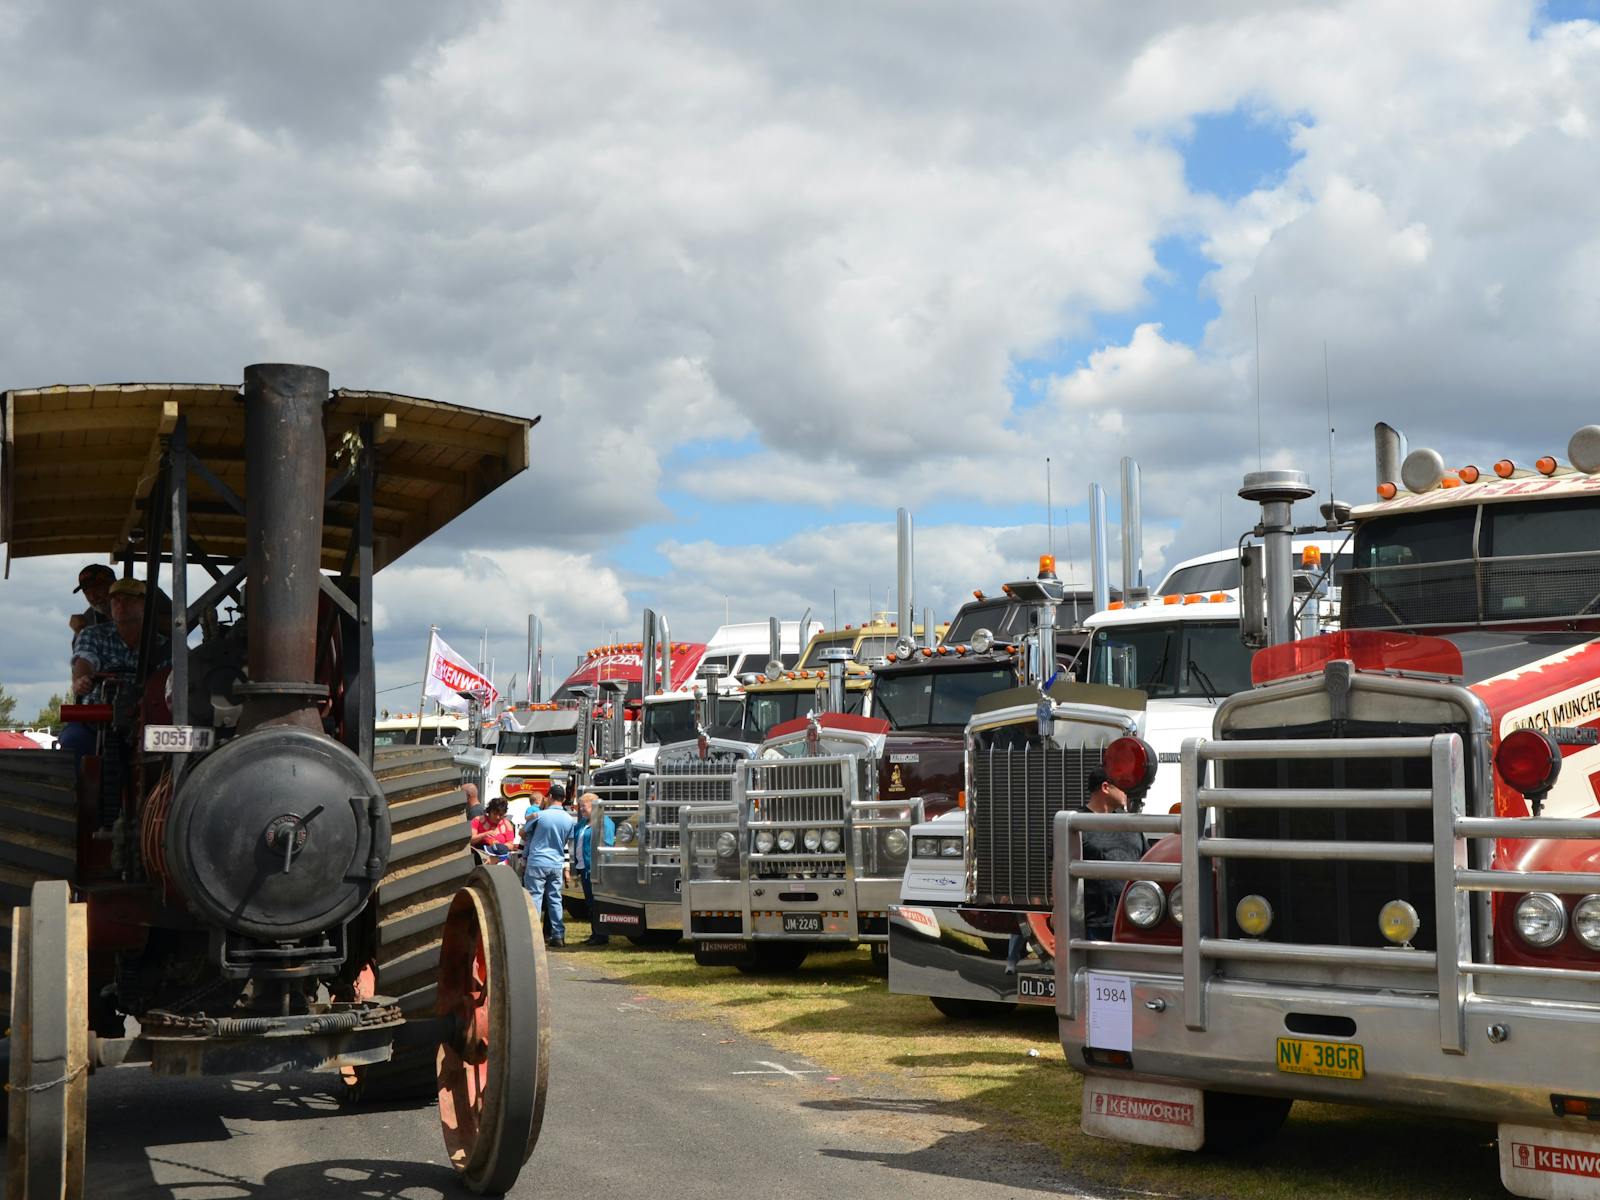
x,y
111,648
94,581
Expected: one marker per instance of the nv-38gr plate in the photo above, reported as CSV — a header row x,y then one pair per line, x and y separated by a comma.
x,y
1331,1060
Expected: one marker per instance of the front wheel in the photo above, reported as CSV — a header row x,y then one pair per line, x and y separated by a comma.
x,y
494,1071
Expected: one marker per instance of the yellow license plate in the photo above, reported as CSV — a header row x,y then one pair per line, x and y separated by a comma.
x,y
1333,1060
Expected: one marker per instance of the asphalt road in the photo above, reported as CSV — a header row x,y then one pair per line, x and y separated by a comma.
x,y
640,1105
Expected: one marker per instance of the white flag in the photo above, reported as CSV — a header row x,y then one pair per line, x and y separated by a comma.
x,y
449,675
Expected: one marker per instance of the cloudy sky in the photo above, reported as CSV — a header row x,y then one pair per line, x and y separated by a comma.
x,y
768,270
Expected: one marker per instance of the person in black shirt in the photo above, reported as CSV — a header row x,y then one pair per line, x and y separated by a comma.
x,y
1101,896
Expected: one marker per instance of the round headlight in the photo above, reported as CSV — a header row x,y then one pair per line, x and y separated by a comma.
x,y
1254,915
727,844
1586,921
786,840
983,641
764,842
1398,922
1541,919
1175,903
830,841
1144,904
624,832
951,847
895,843
813,840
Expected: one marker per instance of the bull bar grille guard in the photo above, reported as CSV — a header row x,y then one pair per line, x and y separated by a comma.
x,y
1456,886
700,825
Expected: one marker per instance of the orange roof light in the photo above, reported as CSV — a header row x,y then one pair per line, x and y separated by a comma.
x,y
1115,604
977,593
927,652
1219,597
1469,474
1172,599
1047,565
1449,481
1006,588
1193,598
1546,465
1386,491
1311,556
1504,468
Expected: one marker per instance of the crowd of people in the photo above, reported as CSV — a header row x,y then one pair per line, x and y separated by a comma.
x,y
540,849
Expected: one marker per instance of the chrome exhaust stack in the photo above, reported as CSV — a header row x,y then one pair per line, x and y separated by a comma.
x,y
1099,569
647,656
1133,589
775,644
1389,446
836,657
905,628
664,641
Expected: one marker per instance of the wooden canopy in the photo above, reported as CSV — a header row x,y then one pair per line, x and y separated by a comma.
x,y
78,466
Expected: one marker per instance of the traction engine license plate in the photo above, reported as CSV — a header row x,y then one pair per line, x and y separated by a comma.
x,y
1332,1060
802,923
178,739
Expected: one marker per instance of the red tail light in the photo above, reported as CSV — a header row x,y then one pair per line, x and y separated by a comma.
x,y
1528,760
1130,763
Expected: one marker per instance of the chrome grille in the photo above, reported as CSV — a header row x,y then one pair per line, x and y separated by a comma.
x,y
680,783
1014,797
799,794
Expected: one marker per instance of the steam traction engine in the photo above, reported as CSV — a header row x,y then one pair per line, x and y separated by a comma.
x,y
1382,886
233,866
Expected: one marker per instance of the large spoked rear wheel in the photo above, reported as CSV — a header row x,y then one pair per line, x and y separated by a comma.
x,y
494,1072
49,1070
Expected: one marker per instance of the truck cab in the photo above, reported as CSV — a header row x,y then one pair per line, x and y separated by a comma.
x,y
536,745
1382,885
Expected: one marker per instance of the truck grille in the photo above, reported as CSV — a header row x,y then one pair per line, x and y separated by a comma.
x,y
1331,903
676,784
1015,795
799,794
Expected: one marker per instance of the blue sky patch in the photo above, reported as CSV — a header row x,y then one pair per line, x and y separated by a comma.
x,y
1556,11
1234,153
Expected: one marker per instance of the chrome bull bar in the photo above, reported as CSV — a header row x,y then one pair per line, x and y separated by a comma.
x,y
620,802
1460,892
660,839
700,825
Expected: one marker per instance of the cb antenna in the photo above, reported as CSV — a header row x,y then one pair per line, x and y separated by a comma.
x,y
1327,396
1049,507
1255,306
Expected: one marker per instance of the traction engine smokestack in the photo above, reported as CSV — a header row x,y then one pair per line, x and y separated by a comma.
x,y
285,474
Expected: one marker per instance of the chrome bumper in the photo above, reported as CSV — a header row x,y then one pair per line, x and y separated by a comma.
x,y
846,910
1509,1080
960,953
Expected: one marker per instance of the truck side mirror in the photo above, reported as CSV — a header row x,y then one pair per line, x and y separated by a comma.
x,y
1253,597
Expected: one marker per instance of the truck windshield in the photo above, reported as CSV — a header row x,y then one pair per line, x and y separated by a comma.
x,y
763,710
814,657
1177,658
935,699
557,741
668,721
1481,564
1007,620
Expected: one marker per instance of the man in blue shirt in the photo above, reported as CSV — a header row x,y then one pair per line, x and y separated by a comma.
x,y
584,860
544,843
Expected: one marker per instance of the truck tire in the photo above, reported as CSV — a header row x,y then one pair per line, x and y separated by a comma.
x,y
775,958
958,1009
1235,1121
38,834
403,926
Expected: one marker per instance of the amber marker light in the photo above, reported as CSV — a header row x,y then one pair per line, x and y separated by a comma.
x,y
1386,491
977,593
1114,604
1047,565
1193,598
1219,597
1449,481
1469,474
1172,599
1546,465
1504,468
